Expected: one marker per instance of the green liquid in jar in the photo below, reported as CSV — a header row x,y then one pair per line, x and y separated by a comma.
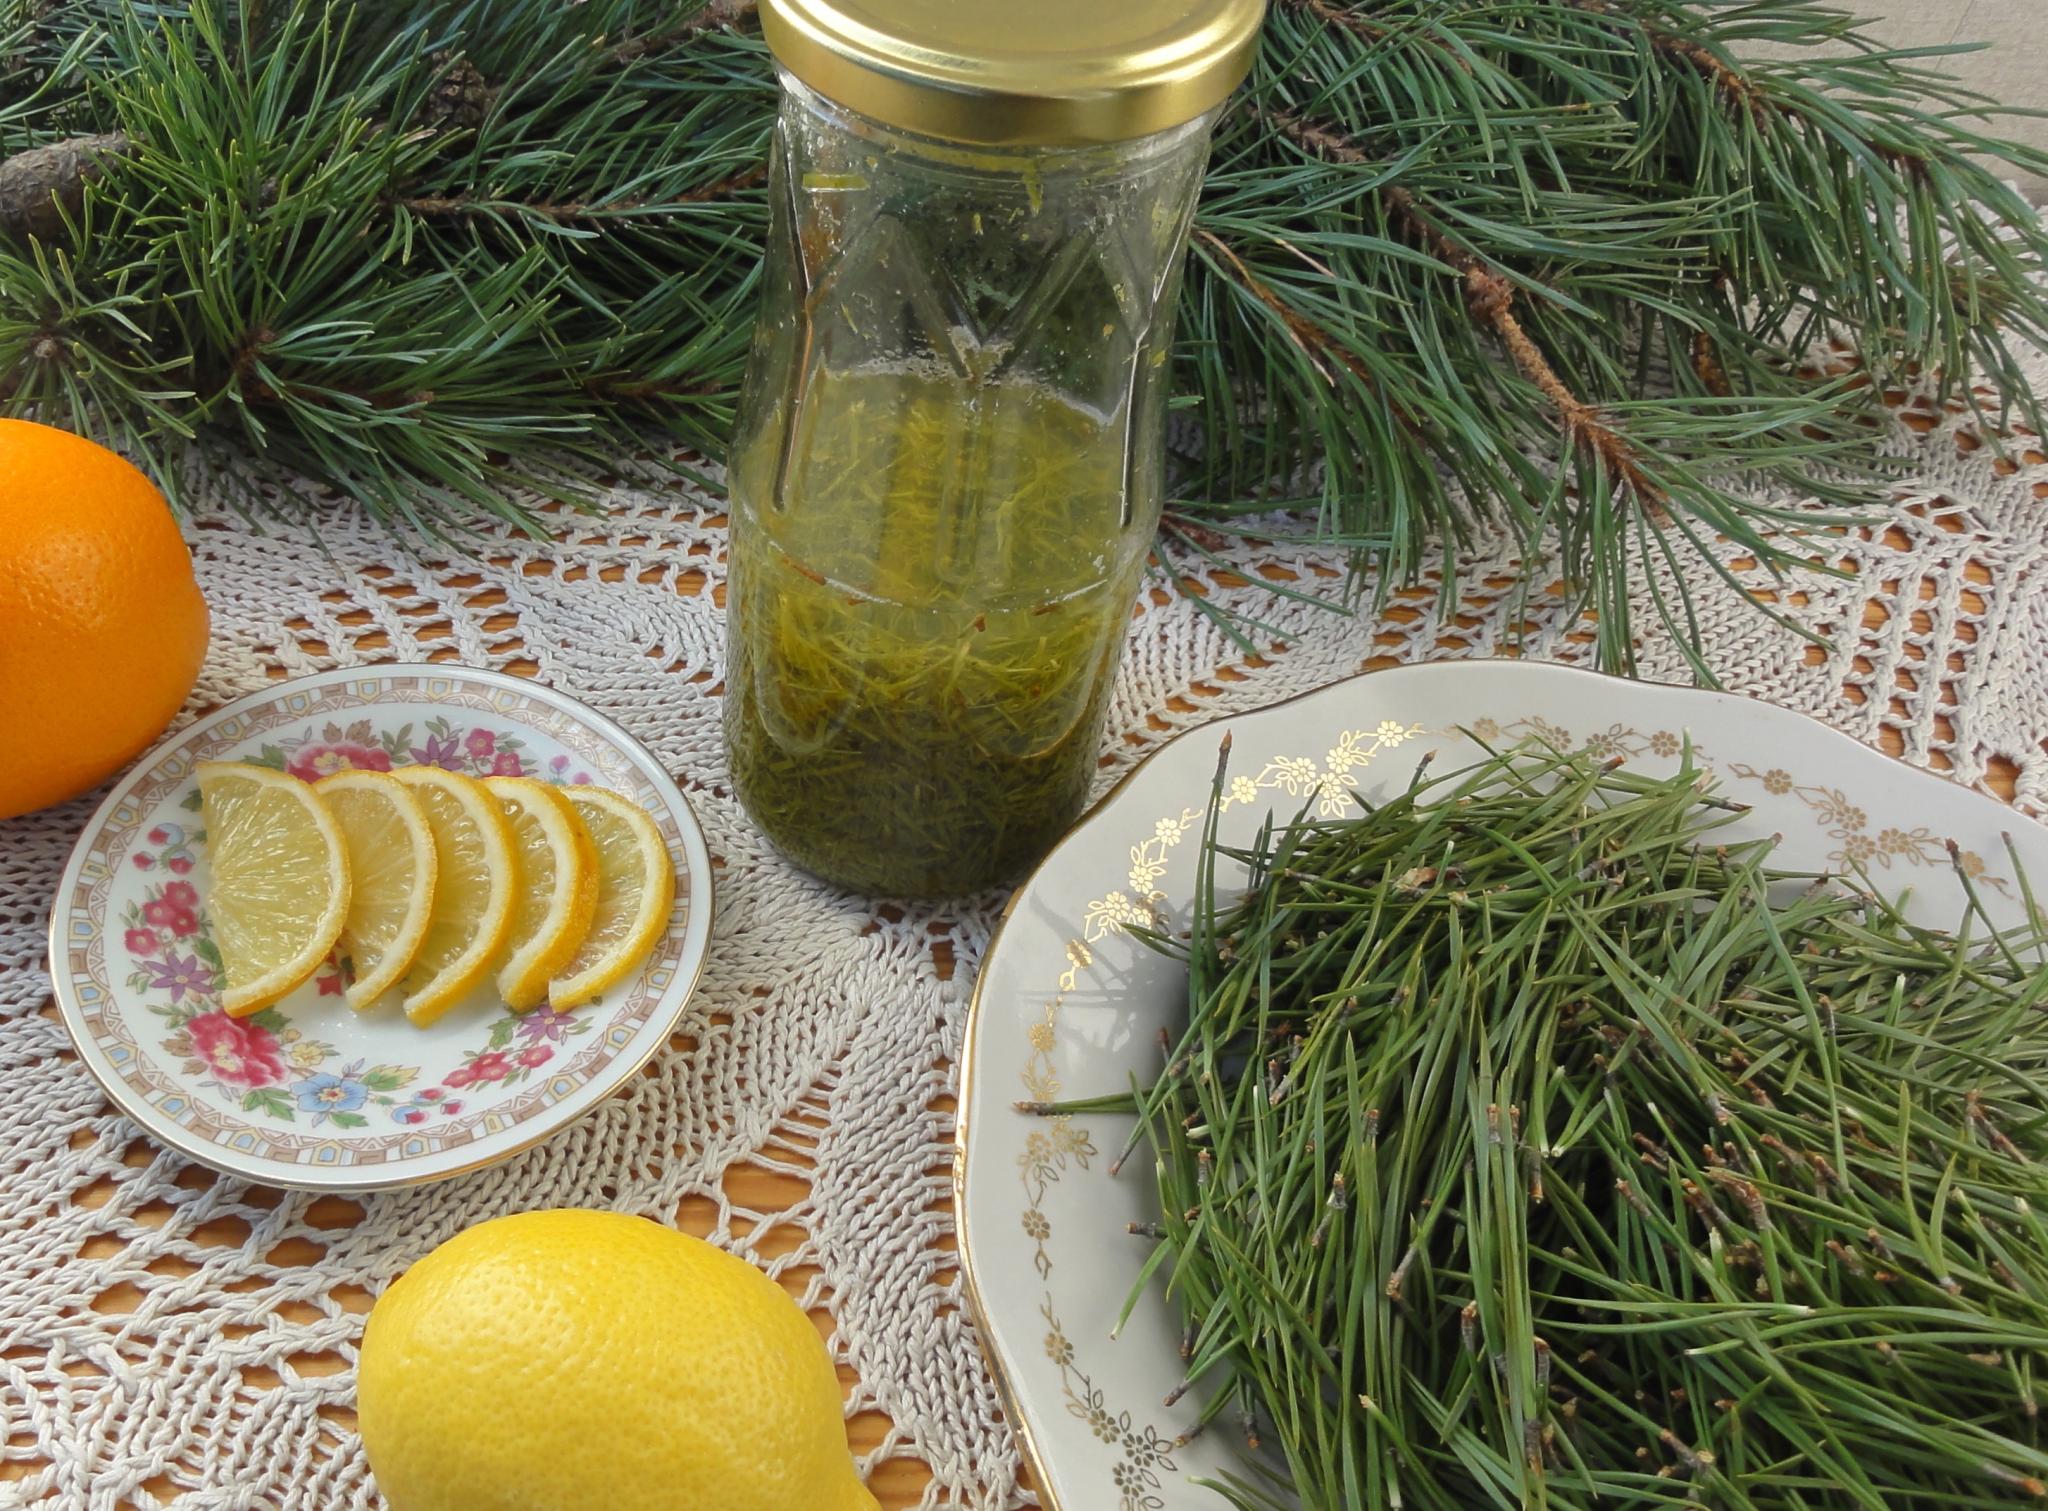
x,y
923,634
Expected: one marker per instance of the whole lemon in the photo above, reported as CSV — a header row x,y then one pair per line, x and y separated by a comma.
x,y
556,1361
102,628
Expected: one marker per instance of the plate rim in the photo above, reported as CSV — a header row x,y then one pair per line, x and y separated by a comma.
x,y
618,1071
1020,1425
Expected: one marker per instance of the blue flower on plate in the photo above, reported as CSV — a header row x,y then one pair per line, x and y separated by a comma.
x,y
324,1093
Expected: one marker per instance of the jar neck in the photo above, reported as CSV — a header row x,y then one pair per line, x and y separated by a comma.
x,y
1022,160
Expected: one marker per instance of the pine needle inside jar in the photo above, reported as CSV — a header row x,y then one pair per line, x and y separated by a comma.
x,y
921,652
1529,1146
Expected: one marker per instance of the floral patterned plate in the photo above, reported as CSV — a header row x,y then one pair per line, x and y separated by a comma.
x,y
1069,1004
308,1093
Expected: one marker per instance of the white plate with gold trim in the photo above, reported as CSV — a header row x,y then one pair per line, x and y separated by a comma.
x,y
1069,1005
307,1093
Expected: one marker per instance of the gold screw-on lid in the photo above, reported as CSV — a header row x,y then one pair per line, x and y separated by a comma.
x,y
1017,72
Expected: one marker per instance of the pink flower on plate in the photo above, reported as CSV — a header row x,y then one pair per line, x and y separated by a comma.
x,y
140,941
544,1023
158,835
451,1108
181,894
316,761
507,764
490,1067
179,975
143,862
480,743
160,911
238,1053
438,751
183,922
459,1077
180,864
536,1057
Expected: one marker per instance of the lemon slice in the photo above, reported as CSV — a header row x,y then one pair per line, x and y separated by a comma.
x,y
557,892
636,886
473,894
280,886
393,864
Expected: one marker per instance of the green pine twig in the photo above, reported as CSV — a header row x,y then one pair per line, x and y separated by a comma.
x,y
1543,266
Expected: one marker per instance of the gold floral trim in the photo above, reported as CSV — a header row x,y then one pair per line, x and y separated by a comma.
x,y
1331,782
1857,848
1857,845
1615,740
1063,1144
1143,1451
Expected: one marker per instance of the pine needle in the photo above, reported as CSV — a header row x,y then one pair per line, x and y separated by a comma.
x,y
1555,1150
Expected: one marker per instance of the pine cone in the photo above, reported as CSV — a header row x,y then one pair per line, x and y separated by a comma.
x,y
38,185
460,99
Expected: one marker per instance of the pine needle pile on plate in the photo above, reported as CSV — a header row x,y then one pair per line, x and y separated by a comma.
x,y
1527,1146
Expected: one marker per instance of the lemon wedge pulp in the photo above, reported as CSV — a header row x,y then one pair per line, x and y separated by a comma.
x,y
636,887
280,891
558,888
393,867
473,895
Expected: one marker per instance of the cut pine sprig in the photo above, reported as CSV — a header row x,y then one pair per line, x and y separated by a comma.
x,y
1531,1142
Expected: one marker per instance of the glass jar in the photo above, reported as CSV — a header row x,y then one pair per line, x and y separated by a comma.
x,y
947,469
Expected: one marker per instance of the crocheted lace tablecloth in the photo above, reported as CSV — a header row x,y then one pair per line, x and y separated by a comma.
x,y
172,1338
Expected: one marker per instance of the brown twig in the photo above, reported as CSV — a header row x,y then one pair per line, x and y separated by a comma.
x,y
1490,300
546,209
1202,535
1360,26
717,15
1344,20
1731,81
564,211
1314,342
1706,362
244,376
732,183
1331,143
249,351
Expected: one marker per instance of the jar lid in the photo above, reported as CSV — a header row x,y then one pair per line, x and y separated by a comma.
x,y
1019,72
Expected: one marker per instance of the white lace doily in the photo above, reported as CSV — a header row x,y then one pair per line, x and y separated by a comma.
x,y
169,1338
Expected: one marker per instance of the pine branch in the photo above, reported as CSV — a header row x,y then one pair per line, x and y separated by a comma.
x,y
1490,299
1717,70
1317,344
1543,264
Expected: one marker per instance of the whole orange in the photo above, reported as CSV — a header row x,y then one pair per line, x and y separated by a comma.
x,y
102,628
